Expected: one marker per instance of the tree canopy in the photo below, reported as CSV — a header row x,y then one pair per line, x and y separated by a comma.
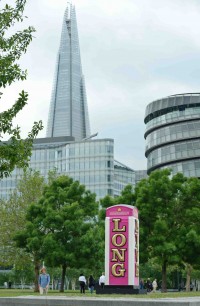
x,y
15,151
188,236
169,214
61,225
168,227
13,216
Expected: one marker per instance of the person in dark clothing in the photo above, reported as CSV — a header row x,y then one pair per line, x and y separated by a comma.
x,y
149,285
141,284
91,284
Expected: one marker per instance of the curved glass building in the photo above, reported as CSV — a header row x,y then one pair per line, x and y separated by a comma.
x,y
173,134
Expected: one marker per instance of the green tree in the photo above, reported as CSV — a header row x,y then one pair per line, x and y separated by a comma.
x,y
105,202
22,275
29,239
13,216
169,213
127,196
72,277
158,201
58,224
92,249
13,219
188,236
16,151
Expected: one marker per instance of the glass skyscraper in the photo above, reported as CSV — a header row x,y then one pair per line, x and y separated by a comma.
x,y
68,114
68,146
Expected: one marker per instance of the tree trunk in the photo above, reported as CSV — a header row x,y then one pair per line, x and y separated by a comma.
x,y
64,267
188,271
164,276
37,268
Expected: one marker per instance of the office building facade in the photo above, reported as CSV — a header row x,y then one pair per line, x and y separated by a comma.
x,y
90,162
69,147
173,134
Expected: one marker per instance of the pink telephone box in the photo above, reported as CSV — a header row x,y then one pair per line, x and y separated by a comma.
x,y
122,246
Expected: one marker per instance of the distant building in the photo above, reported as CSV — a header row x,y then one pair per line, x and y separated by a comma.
x,y
139,175
173,134
69,146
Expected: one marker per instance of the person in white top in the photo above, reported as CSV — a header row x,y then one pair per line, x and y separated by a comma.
x,y
102,280
82,282
155,285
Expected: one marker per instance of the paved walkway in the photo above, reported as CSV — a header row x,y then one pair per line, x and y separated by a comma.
x,y
96,301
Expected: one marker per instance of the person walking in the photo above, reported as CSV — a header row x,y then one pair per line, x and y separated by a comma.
x,y
141,284
102,280
155,285
43,281
82,282
91,284
148,285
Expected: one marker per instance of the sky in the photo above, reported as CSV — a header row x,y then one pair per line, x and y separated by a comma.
x,y
132,51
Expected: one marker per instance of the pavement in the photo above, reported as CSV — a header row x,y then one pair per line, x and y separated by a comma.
x,y
96,301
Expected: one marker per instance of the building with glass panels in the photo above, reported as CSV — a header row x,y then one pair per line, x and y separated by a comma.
x,y
68,113
173,134
139,175
69,147
90,162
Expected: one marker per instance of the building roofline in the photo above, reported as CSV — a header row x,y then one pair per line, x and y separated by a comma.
x,y
123,165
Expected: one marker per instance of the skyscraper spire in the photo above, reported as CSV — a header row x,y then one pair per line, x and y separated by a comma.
x,y
68,114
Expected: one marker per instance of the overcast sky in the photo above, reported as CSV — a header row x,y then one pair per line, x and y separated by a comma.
x,y
133,52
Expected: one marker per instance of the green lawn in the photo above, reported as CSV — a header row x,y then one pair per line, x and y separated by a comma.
x,y
19,292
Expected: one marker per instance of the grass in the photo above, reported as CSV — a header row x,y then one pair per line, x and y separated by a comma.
x,y
70,293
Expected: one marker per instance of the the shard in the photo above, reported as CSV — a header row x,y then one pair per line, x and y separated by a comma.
x,y
69,147
68,114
